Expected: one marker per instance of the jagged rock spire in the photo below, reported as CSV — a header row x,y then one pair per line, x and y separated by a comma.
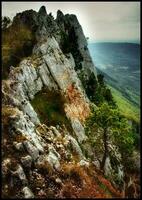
x,y
42,11
60,14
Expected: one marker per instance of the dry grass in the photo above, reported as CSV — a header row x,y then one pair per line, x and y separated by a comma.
x,y
20,138
80,182
14,46
7,111
46,168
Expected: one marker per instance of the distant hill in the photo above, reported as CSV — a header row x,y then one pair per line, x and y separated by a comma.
x,y
120,63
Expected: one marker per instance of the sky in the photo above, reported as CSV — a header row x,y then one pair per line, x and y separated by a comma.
x,y
101,21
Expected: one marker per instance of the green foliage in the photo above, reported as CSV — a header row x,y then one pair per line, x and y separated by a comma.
x,y
17,43
90,86
97,90
69,44
65,46
49,106
103,93
119,132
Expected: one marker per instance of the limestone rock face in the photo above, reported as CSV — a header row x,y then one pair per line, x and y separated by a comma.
x,y
73,30
27,161
27,193
35,147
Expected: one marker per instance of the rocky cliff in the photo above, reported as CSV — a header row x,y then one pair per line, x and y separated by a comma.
x,y
42,154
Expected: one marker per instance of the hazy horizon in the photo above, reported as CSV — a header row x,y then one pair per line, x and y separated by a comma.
x,y
131,42
101,21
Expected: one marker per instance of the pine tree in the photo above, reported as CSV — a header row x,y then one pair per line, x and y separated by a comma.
x,y
115,128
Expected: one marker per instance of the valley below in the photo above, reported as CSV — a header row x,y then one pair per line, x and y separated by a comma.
x,y
70,127
120,65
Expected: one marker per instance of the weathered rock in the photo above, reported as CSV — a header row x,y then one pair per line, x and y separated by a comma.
x,y
75,146
70,25
107,167
32,150
53,160
136,160
5,167
27,193
58,180
84,163
52,68
27,161
46,77
53,150
55,131
20,174
79,130
41,161
96,163
19,146
120,172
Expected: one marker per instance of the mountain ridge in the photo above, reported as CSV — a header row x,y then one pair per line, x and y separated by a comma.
x,y
48,72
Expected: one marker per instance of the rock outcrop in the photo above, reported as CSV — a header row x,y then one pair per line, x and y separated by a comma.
x,y
32,150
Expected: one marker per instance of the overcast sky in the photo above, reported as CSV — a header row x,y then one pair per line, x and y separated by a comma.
x,y
101,21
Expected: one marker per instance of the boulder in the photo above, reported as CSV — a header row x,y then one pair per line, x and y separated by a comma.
x,y
75,146
84,163
53,160
5,168
27,193
26,161
32,150
79,130
20,174
19,146
55,131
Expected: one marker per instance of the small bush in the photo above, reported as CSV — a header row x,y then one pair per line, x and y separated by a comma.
x,y
17,42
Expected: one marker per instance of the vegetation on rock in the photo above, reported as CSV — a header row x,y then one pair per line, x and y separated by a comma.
x,y
39,130
114,128
17,43
49,106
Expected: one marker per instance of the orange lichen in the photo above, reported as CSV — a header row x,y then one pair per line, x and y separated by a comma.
x,y
76,107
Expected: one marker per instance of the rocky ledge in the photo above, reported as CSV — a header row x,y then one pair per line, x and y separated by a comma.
x,y
39,159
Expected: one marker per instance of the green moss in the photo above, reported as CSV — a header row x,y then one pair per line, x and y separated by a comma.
x,y
49,106
104,187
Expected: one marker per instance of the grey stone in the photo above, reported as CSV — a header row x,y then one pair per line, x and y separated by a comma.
x,y
97,164
107,167
79,130
20,174
58,180
5,167
27,193
27,161
55,131
84,163
71,21
75,145
53,160
32,150
19,146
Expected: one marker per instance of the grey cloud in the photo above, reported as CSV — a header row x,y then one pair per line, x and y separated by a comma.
x,y
100,20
